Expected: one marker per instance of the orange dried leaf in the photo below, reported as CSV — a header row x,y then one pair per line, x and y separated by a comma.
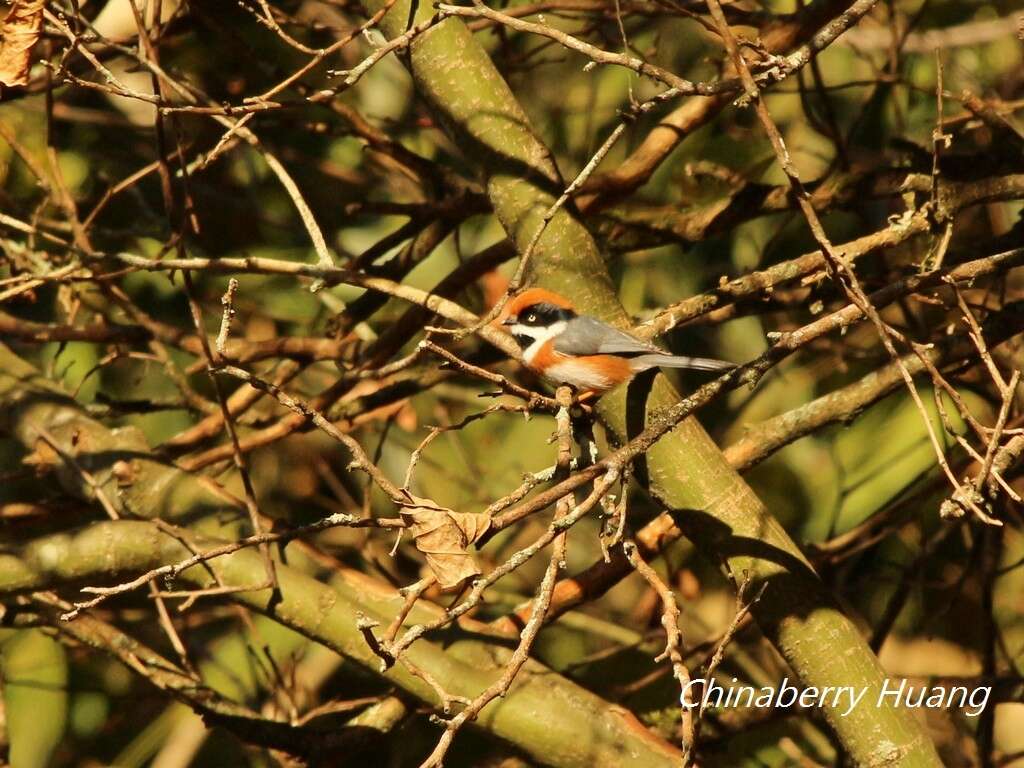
x,y
44,458
18,35
443,535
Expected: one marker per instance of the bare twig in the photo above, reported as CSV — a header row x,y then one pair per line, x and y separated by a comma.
x,y
673,642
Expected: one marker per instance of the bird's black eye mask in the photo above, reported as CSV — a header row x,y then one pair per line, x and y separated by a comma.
x,y
544,314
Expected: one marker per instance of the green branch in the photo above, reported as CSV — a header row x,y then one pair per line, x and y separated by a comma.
x,y
685,471
544,714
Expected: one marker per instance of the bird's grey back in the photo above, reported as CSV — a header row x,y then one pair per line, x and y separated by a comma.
x,y
590,336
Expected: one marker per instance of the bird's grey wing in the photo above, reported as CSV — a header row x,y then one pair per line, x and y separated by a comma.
x,y
590,336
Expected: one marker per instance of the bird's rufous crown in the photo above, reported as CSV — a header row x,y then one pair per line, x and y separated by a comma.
x,y
532,296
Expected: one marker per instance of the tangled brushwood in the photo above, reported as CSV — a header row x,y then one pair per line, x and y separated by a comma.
x,y
278,490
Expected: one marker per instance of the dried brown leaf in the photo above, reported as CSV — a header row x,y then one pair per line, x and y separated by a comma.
x,y
443,535
44,458
18,35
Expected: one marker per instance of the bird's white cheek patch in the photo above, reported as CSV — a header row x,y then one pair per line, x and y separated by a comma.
x,y
577,375
541,337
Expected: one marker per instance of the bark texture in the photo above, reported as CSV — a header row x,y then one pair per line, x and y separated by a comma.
x,y
685,471
546,715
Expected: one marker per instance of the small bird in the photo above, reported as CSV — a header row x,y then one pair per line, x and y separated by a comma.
x,y
581,351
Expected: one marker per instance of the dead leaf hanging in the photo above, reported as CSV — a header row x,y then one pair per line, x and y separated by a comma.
x,y
443,535
18,35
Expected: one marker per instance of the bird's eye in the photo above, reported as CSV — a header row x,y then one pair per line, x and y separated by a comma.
x,y
532,317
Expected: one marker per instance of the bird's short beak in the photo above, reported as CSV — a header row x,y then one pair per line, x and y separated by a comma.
x,y
510,320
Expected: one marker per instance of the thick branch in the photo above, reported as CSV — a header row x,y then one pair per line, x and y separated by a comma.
x,y
684,470
543,713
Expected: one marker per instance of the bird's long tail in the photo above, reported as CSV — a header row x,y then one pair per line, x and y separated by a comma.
x,y
645,362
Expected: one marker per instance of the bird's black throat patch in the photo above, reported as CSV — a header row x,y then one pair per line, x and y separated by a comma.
x,y
523,340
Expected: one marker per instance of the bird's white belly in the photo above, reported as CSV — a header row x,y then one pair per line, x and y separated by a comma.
x,y
577,375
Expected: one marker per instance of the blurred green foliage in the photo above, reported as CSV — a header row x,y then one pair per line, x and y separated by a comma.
x,y
69,707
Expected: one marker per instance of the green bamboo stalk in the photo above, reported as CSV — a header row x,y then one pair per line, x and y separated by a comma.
x,y
685,471
544,714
